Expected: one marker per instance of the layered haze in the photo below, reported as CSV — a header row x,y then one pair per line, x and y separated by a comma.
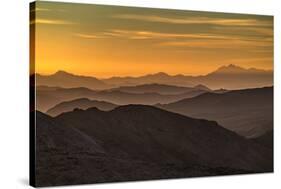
x,y
127,93
227,77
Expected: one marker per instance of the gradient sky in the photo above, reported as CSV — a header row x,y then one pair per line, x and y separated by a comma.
x,y
105,41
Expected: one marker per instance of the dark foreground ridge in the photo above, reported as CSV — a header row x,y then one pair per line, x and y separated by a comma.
x,y
138,142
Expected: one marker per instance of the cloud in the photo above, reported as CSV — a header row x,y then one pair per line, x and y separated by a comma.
x,y
134,34
52,22
218,44
195,20
87,36
187,40
264,33
144,34
39,9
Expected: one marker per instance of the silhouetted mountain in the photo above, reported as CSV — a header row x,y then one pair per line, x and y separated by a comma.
x,y
137,142
233,69
266,139
152,134
159,88
67,80
48,97
160,78
230,69
123,98
248,112
51,135
60,150
228,77
81,103
235,77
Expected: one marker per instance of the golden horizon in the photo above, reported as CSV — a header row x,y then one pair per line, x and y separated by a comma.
x,y
145,74
107,41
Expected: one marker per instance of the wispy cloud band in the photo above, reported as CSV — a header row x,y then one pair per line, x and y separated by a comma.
x,y
87,36
217,44
195,20
52,22
159,35
185,40
39,9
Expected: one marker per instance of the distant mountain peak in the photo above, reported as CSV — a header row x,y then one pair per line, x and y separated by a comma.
x,y
231,66
229,69
61,72
160,74
234,69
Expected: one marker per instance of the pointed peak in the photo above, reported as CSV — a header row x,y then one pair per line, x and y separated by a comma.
x,y
231,68
234,70
61,72
161,74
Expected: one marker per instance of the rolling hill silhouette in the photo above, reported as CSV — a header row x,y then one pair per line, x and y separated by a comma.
x,y
81,103
160,78
48,97
51,134
138,142
160,88
248,112
63,152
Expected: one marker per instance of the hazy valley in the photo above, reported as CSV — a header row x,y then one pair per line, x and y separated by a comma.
x,y
160,125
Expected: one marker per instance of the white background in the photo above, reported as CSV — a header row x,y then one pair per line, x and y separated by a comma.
x,y
14,71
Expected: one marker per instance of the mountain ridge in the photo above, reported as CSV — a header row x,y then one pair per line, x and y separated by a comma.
x,y
232,68
69,80
228,77
247,112
81,103
160,88
139,120
139,142
48,97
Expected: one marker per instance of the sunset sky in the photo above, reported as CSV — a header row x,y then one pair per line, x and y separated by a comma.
x,y
105,41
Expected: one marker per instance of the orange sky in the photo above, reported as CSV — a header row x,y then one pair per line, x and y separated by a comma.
x,y
105,41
